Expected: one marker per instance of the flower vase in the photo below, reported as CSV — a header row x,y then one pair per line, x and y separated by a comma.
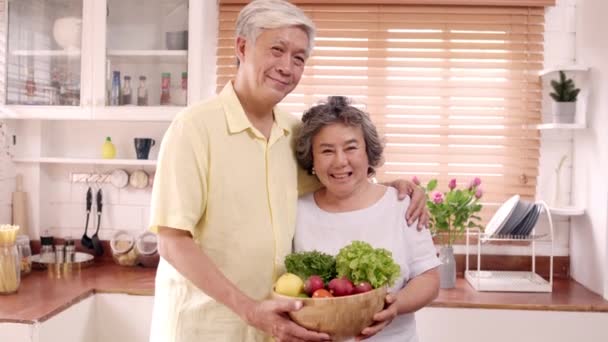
x,y
447,269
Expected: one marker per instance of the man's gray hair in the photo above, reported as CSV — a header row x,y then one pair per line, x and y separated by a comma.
x,y
261,15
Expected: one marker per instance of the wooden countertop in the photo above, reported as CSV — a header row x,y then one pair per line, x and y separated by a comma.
x,y
40,296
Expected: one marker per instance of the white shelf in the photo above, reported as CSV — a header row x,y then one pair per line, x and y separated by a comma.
x,y
46,53
547,126
156,56
564,68
85,161
507,281
118,113
137,113
567,211
45,112
147,53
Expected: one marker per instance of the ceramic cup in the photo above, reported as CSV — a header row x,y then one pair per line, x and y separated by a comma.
x,y
143,146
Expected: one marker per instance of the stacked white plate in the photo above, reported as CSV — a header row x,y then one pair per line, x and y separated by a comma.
x,y
514,219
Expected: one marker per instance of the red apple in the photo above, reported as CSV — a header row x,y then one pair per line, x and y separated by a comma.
x,y
312,284
341,287
363,287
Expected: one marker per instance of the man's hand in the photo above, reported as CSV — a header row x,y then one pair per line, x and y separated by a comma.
x,y
417,209
381,319
271,317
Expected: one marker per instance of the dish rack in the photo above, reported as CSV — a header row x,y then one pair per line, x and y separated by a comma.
x,y
510,281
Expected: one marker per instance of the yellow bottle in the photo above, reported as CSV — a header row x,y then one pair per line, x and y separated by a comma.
x,y
108,151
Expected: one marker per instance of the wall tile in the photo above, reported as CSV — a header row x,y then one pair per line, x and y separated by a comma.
x,y
121,217
5,213
132,196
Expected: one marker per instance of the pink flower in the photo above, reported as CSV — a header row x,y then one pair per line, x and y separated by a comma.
x,y
415,180
474,183
452,184
478,193
437,197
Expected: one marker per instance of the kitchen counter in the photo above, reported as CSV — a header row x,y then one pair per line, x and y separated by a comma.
x,y
41,297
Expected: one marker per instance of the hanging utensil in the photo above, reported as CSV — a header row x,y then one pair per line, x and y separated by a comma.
x,y
95,238
86,240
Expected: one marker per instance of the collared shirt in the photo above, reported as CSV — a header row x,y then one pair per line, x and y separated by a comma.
x,y
236,192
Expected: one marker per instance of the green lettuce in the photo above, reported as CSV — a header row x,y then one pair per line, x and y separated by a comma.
x,y
360,262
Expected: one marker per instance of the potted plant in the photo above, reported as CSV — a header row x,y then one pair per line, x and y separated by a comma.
x,y
564,93
452,212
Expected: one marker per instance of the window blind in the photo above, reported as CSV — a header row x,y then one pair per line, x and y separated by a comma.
x,y
451,88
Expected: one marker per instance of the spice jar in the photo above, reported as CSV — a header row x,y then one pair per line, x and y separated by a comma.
x,y
10,268
123,251
147,250
25,251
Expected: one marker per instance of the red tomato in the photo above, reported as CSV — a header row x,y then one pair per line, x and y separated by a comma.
x,y
321,293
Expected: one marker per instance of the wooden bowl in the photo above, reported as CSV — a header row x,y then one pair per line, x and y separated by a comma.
x,y
340,317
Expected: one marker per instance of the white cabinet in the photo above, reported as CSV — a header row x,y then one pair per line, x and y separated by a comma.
x,y
61,57
480,325
121,317
99,318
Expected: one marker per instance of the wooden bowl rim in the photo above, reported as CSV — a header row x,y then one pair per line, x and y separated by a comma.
x,y
374,291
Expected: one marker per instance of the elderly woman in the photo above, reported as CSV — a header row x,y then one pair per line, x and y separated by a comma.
x,y
339,144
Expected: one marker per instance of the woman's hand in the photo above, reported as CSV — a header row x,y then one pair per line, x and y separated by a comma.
x,y
381,319
417,210
271,317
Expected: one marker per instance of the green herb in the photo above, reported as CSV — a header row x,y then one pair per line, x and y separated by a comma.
x,y
305,264
360,262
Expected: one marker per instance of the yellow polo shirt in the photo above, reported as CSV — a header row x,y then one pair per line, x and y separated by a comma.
x,y
236,192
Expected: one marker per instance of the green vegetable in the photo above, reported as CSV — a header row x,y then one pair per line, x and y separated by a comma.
x,y
360,262
305,264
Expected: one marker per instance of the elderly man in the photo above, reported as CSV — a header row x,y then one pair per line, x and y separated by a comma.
x,y
225,193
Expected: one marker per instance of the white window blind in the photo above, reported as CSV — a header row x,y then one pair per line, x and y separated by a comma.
x,y
451,88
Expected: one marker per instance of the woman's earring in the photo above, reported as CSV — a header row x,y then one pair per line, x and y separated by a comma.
x,y
313,171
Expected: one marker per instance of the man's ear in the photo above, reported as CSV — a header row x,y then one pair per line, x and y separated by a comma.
x,y
240,48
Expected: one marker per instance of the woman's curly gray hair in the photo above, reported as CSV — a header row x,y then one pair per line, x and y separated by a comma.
x,y
337,109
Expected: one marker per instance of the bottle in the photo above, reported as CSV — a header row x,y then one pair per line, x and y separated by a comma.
x,y
108,151
142,92
126,91
165,93
180,95
115,92
25,253
10,263
30,87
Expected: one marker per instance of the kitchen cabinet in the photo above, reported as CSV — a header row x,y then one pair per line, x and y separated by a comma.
x,y
99,318
454,324
62,55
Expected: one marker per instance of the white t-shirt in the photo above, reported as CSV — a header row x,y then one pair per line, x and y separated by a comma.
x,y
382,225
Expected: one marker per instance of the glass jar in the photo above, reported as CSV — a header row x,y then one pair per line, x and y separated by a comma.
x,y
147,250
10,269
25,252
123,251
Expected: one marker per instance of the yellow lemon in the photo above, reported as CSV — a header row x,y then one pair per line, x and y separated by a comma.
x,y
289,284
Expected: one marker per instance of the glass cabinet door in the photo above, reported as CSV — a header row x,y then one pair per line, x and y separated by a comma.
x,y
43,61
146,53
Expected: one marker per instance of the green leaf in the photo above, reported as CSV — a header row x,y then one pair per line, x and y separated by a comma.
x,y
360,262
431,185
305,264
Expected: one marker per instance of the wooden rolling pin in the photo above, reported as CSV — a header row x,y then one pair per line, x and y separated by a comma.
x,y
20,206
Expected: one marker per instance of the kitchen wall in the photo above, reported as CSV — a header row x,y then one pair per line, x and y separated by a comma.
x,y
61,204
589,234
